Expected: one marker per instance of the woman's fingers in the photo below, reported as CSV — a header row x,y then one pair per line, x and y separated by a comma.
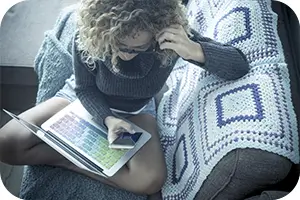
x,y
112,136
169,45
125,125
117,126
167,36
174,34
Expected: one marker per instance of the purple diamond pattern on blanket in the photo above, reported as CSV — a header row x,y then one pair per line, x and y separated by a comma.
x,y
240,31
182,161
273,126
180,154
235,102
238,26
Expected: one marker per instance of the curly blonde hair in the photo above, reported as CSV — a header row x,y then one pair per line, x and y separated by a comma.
x,y
102,22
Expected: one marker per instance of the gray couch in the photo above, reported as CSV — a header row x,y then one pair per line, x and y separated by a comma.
x,y
22,33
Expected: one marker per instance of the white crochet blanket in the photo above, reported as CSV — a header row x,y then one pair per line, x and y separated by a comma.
x,y
202,118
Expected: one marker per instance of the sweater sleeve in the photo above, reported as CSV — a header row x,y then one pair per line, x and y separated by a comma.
x,y
222,60
87,91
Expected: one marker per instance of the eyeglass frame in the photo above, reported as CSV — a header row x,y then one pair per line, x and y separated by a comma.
x,y
154,47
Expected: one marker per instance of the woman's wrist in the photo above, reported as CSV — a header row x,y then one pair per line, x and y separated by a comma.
x,y
196,53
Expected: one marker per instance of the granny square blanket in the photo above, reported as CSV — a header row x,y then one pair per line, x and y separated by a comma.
x,y
201,118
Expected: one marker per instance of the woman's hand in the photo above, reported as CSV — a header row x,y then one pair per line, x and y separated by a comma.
x,y
176,39
115,127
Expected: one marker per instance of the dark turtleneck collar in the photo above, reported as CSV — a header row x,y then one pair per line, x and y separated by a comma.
x,y
136,68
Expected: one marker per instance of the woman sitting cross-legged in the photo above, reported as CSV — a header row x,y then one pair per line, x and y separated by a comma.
x,y
123,53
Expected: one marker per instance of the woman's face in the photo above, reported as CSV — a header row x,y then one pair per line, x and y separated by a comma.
x,y
131,46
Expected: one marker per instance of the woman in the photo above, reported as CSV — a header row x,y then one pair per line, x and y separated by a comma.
x,y
123,52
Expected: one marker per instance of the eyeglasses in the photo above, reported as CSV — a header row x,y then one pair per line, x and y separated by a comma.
x,y
153,48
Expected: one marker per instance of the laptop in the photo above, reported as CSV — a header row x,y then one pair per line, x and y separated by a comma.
x,y
73,133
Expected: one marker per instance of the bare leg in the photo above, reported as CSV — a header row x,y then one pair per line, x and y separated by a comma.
x,y
147,169
19,147
145,173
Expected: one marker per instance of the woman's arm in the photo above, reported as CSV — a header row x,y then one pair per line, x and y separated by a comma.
x,y
222,60
93,99
86,89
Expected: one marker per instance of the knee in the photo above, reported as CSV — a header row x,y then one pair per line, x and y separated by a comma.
x,y
152,182
8,147
4,151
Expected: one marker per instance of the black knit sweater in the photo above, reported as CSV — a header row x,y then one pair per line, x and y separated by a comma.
x,y
142,78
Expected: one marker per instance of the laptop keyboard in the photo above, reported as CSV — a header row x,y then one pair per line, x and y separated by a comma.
x,y
88,138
